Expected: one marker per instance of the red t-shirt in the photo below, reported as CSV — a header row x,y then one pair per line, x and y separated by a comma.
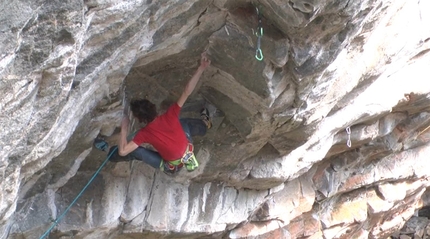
x,y
165,133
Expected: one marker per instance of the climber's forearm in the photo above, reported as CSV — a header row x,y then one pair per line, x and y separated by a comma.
x,y
122,141
191,85
125,147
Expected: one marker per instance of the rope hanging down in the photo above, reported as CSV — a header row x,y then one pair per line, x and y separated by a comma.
x,y
77,197
259,33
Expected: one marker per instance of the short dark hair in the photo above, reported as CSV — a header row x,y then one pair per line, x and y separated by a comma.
x,y
144,110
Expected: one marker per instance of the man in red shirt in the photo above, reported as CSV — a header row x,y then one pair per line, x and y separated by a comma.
x,y
168,134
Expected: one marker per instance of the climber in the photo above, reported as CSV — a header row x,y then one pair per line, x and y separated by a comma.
x,y
168,134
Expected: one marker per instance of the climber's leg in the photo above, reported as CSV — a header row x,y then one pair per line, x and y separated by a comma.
x,y
193,127
148,156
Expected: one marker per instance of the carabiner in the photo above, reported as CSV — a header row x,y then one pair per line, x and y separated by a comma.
x,y
259,54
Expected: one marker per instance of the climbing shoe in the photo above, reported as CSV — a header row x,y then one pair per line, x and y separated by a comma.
x,y
101,144
204,114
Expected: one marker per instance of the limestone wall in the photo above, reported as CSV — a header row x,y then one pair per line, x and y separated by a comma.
x,y
276,163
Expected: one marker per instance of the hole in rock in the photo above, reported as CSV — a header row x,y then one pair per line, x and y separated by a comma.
x,y
65,37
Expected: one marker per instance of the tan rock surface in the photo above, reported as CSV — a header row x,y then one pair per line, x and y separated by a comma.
x,y
276,163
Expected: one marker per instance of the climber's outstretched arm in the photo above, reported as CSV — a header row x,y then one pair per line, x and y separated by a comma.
x,y
189,88
125,147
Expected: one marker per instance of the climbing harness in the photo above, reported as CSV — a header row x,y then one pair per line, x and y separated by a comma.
x,y
348,132
259,33
188,159
56,221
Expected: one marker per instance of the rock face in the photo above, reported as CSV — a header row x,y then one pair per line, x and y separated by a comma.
x,y
276,163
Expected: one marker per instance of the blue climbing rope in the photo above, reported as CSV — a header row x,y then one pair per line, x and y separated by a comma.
x,y
79,195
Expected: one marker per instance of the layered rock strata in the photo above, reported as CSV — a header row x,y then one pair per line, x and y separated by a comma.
x,y
277,162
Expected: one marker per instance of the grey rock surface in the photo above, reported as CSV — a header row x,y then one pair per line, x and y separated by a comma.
x,y
276,163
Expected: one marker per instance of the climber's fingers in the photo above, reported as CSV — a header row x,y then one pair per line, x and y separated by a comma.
x,y
205,62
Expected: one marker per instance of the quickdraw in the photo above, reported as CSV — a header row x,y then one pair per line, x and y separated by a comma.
x,y
259,33
348,132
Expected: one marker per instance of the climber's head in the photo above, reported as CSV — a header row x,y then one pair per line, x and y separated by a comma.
x,y
143,110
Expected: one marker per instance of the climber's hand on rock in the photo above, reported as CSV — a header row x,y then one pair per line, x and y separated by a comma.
x,y
204,61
